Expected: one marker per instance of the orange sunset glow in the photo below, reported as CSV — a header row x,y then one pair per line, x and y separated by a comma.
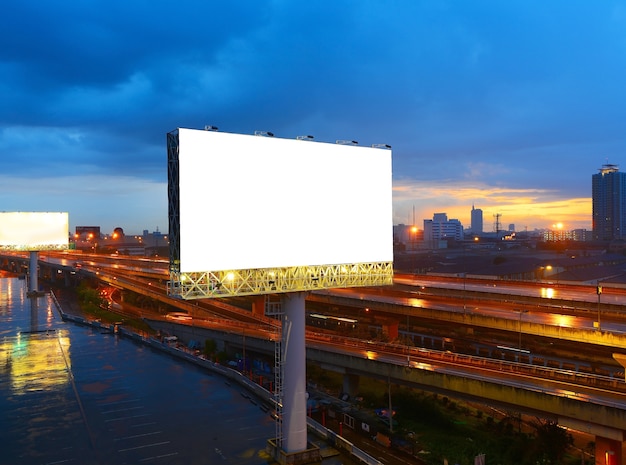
x,y
527,209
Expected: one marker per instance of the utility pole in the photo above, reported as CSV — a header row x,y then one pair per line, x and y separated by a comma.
x,y
599,292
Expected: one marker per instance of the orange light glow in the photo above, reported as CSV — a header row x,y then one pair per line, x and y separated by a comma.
x,y
416,302
565,321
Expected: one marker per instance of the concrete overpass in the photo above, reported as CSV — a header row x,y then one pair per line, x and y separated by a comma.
x,y
603,338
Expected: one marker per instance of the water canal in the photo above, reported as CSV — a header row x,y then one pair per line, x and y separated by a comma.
x,y
76,394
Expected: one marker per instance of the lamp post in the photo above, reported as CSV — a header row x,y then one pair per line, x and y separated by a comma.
x,y
599,292
520,331
464,278
412,240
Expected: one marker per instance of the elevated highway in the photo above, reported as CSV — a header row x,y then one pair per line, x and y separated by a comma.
x,y
514,325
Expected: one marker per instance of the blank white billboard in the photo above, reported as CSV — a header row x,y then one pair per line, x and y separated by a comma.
x,y
34,230
250,202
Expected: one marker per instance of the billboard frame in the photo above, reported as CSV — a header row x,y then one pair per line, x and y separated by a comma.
x,y
260,281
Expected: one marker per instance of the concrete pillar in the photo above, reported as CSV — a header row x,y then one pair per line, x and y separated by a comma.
x,y
609,451
351,384
258,305
33,284
391,329
294,373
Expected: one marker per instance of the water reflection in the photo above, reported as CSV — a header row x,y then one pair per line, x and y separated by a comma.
x,y
36,361
34,355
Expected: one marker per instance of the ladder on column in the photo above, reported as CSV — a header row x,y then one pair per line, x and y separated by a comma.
x,y
274,309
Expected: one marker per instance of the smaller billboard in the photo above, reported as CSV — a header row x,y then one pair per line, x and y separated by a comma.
x,y
34,230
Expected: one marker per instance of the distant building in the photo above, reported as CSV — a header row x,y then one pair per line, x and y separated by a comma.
x,y
609,203
156,243
86,238
440,229
556,235
87,232
89,238
476,221
511,227
409,235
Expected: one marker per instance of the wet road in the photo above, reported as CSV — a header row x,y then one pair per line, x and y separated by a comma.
x,y
71,394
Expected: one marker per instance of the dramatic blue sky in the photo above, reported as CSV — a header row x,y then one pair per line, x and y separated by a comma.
x,y
508,105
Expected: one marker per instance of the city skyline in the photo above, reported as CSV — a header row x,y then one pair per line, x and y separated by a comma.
x,y
508,106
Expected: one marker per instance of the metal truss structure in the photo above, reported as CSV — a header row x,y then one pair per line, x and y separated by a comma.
x,y
202,285
33,248
173,196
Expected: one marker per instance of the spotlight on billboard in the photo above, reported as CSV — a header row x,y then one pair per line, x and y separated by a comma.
x,y
261,215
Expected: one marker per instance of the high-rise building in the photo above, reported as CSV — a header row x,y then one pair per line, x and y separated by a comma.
x,y
609,203
477,220
440,228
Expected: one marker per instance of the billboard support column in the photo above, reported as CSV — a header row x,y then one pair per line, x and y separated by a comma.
x,y
33,285
294,366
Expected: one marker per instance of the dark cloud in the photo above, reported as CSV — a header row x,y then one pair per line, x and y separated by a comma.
x,y
91,88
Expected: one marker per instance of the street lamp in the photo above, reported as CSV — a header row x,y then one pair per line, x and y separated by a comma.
x,y
599,292
520,331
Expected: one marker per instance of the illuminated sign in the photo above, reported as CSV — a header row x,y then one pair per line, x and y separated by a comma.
x,y
34,230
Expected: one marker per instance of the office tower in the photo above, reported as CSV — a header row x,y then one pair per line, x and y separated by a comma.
x,y
477,220
609,203
441,228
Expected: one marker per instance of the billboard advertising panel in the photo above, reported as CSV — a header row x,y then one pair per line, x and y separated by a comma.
x,y
250,202
34,230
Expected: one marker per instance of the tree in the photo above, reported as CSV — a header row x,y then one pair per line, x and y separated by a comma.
x,y
552,441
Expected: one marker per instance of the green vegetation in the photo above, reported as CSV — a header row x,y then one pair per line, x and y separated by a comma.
x,y
94,306
443,428
89,298
211,353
